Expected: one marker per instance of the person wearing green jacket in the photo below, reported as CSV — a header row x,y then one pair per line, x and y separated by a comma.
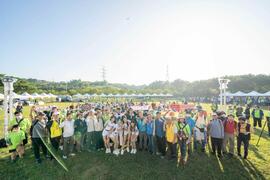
x,y
23,123
183,136
15,141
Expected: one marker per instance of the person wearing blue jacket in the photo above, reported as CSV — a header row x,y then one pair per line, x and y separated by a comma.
x,y
160,135
141,124
150,133
191,122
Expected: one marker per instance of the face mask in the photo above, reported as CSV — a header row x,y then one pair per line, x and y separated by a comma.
x,y
19,117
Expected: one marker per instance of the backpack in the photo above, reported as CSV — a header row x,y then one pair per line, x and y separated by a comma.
x,y
181,133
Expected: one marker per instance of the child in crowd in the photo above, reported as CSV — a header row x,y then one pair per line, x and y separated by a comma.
x,y
134,132
15,140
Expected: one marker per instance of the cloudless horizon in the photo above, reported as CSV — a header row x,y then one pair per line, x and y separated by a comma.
x,y
135,40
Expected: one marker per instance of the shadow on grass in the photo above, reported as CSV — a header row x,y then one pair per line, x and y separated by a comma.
x,y
255,149
243,168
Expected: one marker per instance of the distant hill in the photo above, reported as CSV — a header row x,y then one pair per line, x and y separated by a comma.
x,y
178,87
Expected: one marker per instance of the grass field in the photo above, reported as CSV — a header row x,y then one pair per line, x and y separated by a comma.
x,y
142,165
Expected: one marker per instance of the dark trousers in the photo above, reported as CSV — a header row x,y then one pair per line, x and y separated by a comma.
x,y
216,145
171,150
183,148
243,139
142,140
99,140
55,142
161,145
25,141
257,120
37,143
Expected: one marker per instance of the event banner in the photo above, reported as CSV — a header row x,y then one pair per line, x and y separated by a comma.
x,y
140,108
181,107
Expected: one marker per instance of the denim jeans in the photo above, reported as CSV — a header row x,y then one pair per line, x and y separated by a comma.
x,y
183,148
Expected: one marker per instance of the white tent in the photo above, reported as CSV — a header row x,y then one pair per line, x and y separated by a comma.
x,y
25,95
254,94
86,95
93,95
228,94
44,95
238,94
52,95
35,95
102,95
110,95
266,94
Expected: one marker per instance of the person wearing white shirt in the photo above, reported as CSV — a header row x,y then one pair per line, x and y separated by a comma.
x,y
90,121
108,133
68,127
98,126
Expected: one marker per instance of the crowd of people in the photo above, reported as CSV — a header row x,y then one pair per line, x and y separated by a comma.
x,y
121,128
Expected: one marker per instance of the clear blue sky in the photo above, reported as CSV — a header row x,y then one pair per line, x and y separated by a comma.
x,y
135,40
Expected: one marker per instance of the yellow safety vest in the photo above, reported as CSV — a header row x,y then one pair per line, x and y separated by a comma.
x,y
170,133
56,131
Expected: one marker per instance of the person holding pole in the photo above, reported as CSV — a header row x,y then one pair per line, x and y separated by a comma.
x,y
243,136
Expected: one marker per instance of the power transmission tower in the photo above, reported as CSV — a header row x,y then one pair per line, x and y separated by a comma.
x,y
103,73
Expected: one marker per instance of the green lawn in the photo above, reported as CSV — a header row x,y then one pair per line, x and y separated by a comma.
x,y
142,165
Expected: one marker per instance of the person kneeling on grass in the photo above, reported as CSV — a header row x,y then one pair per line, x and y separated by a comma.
x,y
134,132
68,132
107,133
15,141
243,132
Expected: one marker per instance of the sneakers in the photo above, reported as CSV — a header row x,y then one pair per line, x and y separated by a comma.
x,y
72,154
108,151
127,149
116,152
61,148
122,151
133,151
64,157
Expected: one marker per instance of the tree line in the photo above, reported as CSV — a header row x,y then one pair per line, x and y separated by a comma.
x,y
178,87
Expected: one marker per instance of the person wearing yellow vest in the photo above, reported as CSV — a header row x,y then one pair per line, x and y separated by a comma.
x,y
257,115
171,139
54,130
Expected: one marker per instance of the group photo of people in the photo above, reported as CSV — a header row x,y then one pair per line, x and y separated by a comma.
x,y
128,128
